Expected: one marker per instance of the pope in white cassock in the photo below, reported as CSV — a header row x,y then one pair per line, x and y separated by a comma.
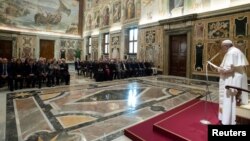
x,y
232,72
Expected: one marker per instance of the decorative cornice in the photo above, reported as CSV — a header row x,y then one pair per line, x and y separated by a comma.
x,y
148,25
225,11
184,18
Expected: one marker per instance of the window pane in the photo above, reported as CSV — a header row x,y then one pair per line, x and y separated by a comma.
x,y
131,34
135,47
106,38
90,41
135,34
106,49
89,49
131,47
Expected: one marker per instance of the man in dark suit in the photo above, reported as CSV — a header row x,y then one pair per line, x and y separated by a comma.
x,y
77,65
64,70
31,73
42,72
18,73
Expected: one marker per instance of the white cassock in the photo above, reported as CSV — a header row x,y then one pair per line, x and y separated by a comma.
x,y
227,101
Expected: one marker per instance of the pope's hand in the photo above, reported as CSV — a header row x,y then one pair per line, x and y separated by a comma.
x,y
220,70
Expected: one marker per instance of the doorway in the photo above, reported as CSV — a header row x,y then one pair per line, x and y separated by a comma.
x,y
6,49
178,55
47,49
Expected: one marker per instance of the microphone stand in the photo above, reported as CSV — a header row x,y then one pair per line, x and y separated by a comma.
x,y
205,121
207,93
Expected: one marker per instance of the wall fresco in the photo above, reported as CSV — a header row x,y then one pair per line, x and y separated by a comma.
x,y
59,16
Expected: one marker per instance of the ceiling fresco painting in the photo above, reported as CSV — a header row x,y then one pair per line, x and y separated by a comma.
x,y
60,16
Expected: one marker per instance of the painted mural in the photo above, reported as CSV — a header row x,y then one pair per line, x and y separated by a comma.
x,y
106,16
59,16
130,9
106,13
116,12
154,10
176,7
193,6
97,19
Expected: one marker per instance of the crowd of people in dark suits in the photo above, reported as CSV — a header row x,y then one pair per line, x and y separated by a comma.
x,y
20,73
113,69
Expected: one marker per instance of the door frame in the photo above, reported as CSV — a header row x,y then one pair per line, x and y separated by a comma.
x,y
9,37
166,50
170,58
39,54
11,48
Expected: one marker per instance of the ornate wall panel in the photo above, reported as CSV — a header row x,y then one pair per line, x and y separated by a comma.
x,y
115,46
218,29
70,49
240,28
210,32
26,46
94,52
151,45
199,30
199,48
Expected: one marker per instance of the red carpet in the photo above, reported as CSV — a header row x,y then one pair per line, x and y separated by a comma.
x,y
144,130
185,124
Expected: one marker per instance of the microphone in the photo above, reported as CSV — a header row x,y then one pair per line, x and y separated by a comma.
x,y
210,63
218,53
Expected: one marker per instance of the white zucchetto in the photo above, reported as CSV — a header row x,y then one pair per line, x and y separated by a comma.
x,y
227,42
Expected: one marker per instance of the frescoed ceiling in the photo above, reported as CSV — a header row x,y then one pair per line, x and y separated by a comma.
x,y
60,16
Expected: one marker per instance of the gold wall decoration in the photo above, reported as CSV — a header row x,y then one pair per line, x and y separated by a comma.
x,y
151,45
115,46
219,29
26,46
69,49
199,30
240,28
216,29
199,51
94,51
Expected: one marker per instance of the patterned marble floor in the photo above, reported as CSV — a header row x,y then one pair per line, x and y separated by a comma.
x,y
91,111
